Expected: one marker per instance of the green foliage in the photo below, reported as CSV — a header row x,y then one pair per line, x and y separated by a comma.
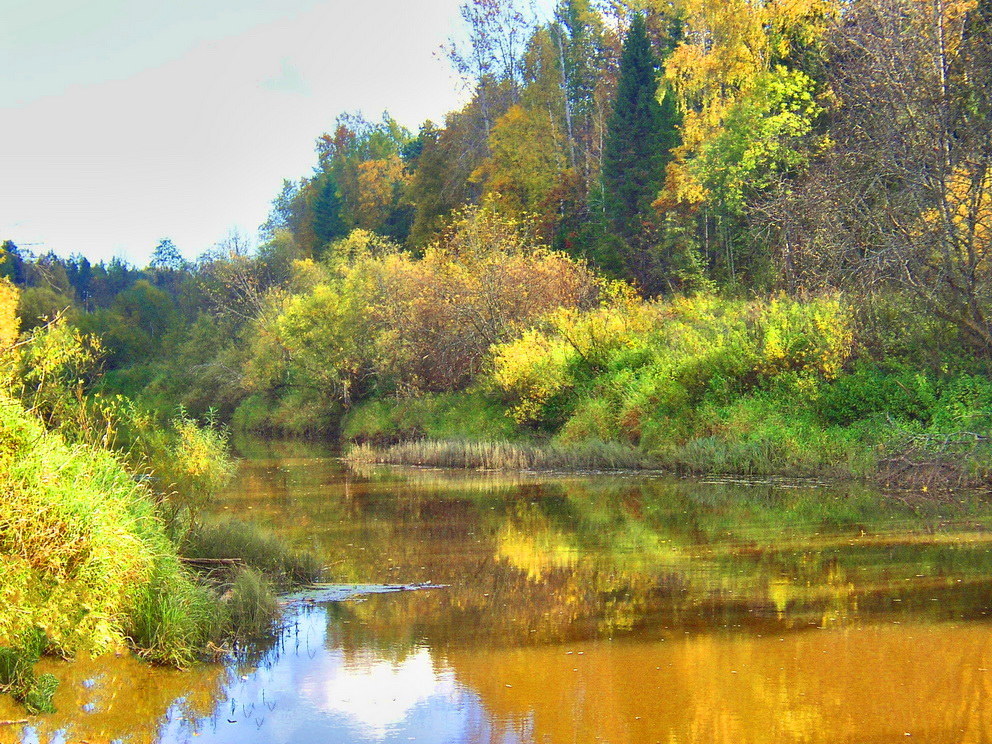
x,y
38,305
683,351
902,393
470,415
50,370
18,678
701,383
201,375
80,544
372,320
133,327
759,143
183,462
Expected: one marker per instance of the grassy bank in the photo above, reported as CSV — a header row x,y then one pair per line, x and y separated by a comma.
x,y
706,385
88,561
85,563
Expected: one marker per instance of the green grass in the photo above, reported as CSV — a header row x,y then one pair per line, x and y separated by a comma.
x,y
250,604
470,416
175,618
256,549
83,555
86,563
17,676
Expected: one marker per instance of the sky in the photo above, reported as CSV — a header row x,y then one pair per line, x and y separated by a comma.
x,y
125,122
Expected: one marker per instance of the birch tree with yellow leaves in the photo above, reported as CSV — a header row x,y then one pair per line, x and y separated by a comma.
x,y
746,77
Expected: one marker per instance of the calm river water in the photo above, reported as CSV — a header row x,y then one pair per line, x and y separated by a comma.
x,y
583,609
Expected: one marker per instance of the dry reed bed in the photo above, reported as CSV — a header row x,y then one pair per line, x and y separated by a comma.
x,y
502,455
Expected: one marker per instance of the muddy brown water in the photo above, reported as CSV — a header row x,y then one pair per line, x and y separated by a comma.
x,y
581,608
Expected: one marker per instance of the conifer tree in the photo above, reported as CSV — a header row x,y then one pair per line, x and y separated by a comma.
x,y
640,133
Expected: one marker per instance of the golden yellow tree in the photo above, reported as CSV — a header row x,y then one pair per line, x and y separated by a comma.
x,y
728,50
10,324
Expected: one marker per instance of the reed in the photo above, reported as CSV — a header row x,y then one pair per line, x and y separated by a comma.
x,y
594,455
252,607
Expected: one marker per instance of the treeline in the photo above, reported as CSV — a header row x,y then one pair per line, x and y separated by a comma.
x,y
681,226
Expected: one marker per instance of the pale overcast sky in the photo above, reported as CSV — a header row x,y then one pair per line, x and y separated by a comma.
x,y
123,122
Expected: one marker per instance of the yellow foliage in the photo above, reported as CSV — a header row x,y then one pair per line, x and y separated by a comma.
x,y
728,45
9,322
678,346
379,183
534,368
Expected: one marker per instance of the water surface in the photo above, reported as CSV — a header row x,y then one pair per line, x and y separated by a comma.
x,y
583,609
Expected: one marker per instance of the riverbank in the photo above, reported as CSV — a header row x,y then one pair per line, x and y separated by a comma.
x,y
849,428
92,559
85,562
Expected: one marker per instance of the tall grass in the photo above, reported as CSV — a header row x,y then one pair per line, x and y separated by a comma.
x,y
504,455
17,676
256,549
175,617
83,554
251,606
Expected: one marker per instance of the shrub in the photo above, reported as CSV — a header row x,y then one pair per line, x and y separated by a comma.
x,y
82,551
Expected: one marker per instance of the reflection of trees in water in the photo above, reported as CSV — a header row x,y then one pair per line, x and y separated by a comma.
x,y
584,558
124,699
533,562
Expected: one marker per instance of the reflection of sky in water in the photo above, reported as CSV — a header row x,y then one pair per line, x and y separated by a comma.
x,y
311,693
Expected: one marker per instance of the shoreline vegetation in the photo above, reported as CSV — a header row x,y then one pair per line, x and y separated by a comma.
x,y
927,471
698,385
495,455
102,545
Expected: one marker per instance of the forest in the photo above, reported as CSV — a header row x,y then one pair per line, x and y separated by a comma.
x,y
732,235
703,236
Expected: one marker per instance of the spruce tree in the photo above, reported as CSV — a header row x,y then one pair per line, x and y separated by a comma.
x,y
640,133
328,224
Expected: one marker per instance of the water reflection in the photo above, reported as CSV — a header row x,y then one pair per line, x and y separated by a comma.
x,y
621,609
312,689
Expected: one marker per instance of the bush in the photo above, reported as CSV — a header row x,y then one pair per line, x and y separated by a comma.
x,y
82,552
470,415
662,359
904,393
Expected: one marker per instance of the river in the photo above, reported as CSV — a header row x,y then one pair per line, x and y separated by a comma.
x,y
581,608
